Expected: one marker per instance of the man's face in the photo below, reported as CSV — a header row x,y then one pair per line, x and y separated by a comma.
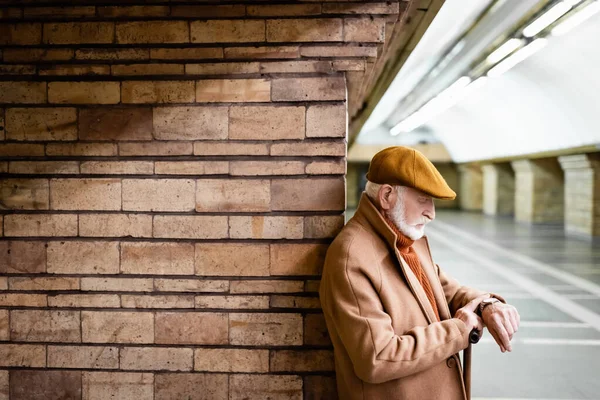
x,y
412,210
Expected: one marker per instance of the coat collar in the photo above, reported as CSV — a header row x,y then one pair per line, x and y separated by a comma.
x,y
367,212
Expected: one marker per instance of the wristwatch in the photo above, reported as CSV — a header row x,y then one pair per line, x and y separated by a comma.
x,y
486,302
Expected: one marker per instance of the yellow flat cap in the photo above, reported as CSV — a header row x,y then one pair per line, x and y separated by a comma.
x,y
404,166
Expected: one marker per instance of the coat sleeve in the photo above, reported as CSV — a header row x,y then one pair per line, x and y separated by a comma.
x,y
458,296
354,312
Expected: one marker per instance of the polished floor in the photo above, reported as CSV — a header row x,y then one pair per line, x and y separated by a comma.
x,y
554,282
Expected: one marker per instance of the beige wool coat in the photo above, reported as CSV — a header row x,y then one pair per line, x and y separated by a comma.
x,y
387,342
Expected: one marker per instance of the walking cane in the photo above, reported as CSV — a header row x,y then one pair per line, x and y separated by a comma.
x,y
473,338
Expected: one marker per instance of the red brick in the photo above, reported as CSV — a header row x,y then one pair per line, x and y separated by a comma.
x,y
231,360
191,167
152,32
147,69
326,121
157,258
85,194
115,225
117,385
22,355
304,30
157,301
3,283
233,90
83,257
263,52
112,54
237,68
257,387
81,149
117,327
84,92
190,227
117,167
164,359
44,167
266,123
236,10
271,286
189,53
320,387
309,89
11,13
262,168
301,360
191,328
44,283
32,54
25,194
322,226
78,32
111,123
23,92
158,194
339,51
295,302
4,330
83,357
297,259
308,194
155,149
157,91
326,167
134,11
307,67
225,259
18,149
312,286
87,11
233,195
190,285
40,225
84,300
283,10
20,34
230,148
76,70
315,331
269,227
265,329
350,65
232,302
364,30
22,257
45,326
190,123
358,8
117,284
191,386
17,69
228,31
27,385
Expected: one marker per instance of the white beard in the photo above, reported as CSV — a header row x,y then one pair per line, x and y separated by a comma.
x,y
398,217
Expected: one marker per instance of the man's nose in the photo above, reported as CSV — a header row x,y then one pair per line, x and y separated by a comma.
x,y
430,211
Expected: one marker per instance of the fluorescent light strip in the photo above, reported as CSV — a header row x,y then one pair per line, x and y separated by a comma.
x,y
579,17
508,47
517,57
546,19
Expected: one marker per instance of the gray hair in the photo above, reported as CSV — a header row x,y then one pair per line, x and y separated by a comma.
x,y
372,190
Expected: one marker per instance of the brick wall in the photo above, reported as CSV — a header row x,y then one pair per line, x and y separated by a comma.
x,y
170,178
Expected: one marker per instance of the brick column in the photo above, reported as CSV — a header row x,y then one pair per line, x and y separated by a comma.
x,y
498,189
539,190
170,179
470,188
582,194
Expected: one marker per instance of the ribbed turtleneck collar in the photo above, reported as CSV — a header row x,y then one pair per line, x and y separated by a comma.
x,y
403,242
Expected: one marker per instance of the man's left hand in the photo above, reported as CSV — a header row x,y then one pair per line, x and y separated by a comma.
x,y
502,320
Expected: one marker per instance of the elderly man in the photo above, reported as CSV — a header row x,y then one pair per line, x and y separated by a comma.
x,y
396,320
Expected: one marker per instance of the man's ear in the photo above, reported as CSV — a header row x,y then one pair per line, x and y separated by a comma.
x,y
387,197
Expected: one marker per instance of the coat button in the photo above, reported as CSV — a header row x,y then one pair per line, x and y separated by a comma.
x,y
451,362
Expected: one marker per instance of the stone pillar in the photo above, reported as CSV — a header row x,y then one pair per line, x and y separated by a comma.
x,y
539,193
470,194
498,189
582,194
450,174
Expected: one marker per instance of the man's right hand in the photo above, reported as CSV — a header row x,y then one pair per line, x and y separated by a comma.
x,y
468,316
